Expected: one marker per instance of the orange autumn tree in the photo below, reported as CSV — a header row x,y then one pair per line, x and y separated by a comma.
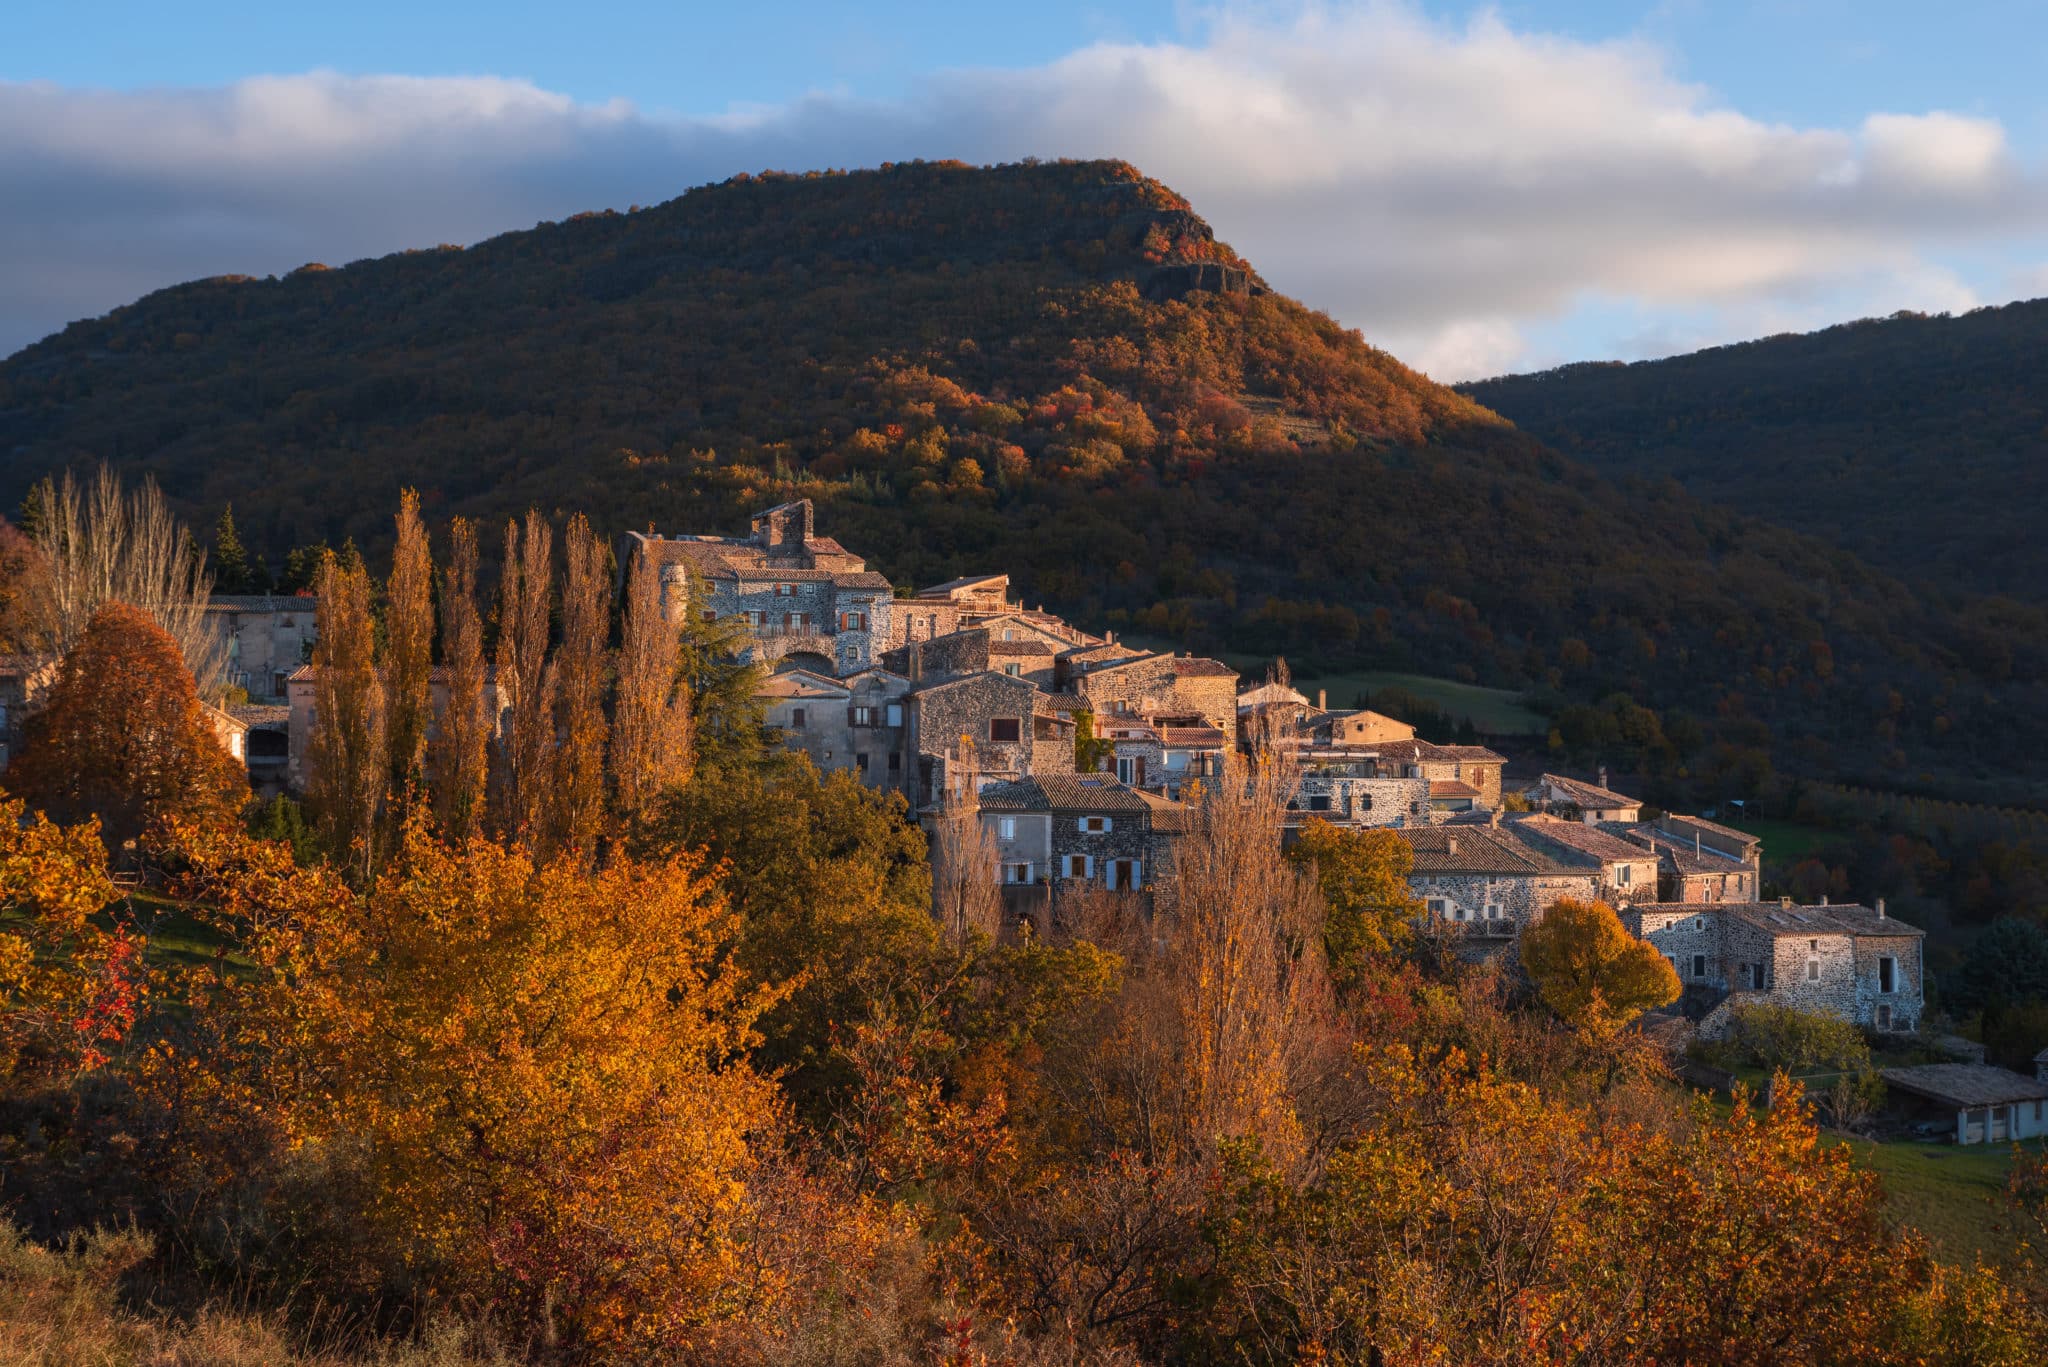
x,y
537,1071
123,736
1590,970
69,987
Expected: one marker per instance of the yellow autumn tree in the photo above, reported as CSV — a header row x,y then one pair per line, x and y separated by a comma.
x,y
538,1072
68,984
1590,970
459,755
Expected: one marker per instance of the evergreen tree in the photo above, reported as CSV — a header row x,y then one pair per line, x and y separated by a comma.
x,y
231,572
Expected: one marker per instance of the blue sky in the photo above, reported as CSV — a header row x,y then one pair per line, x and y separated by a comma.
x,y
1568,178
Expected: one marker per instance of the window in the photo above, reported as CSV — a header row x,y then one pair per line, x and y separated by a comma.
x,y
1625,874
1008,634
1699,965
1004,729
796,719
1319,802
1365,803
1006,828
1124,875
1459,914
711,614
1699,923
853,621
1813,970
1887,974
1493,911
796,621
1120,706
785,590
893,714
1884,1018
1013,670
1016,873
1436,906
1078,865
1130,769
1095,825
860,761
895,763
756,618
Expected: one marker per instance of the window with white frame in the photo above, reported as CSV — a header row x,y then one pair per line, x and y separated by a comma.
x,y
1006,828
1625,874
863,714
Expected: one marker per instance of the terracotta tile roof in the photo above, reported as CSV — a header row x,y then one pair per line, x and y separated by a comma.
x,y
1450,787
1580,838
257,717
1194,737
1793,923
1670,850
261,602
1710,828
1585,795
996,647
1063,793
951,585
800,683
1475,849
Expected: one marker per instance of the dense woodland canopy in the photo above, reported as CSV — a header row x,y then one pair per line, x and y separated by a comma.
x,y
1010,368
1920,443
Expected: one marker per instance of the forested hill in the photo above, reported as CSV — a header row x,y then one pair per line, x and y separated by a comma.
x,y
1057,371
1921,443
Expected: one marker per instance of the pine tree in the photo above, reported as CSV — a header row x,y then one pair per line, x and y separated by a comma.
x,y
231,572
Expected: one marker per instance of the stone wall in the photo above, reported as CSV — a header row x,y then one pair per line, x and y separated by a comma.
x,y
943,714
1155,687
1394,803
1521,899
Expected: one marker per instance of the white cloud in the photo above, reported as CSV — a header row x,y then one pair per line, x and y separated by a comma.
x,y
1445,189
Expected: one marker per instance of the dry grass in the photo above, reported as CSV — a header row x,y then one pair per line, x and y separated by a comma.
x,y
63,1308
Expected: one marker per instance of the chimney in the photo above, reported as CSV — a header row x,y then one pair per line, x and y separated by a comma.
x,y
1603,776
1785,902
1322,700
1450,844
1880,908
916,665
1823,899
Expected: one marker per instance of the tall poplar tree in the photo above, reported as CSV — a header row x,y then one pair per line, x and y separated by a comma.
x,y
409,645
524,770
653,731
346,749
578,674
459,754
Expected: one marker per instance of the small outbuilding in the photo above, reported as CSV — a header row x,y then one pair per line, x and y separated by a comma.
x,y
1987,1104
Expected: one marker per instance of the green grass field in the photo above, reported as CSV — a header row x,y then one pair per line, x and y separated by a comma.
x,y
1785,842
1495,711
1949,1193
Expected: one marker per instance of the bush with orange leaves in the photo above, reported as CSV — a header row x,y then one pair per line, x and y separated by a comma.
x,y
122,735
70,986
517,1086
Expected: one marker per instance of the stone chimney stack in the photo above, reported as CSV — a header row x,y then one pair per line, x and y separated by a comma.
x,y
1603,776
1785,902
1450,844
1880,908
1322,700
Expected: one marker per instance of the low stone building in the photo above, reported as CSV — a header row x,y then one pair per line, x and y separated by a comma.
x,y
1486,882
1852,962
265,637
267,745
976,650
1976,1103
1626,872
1081,830
998,724
803,597
975,601
809,712
1351,788
1176,689
1586,802
23,681
1698,861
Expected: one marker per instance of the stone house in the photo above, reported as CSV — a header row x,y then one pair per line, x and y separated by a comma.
x,y
973,601
1852,962
1070,664
1977,1103
267,745
1698,861
803,597
1356,728
809,712
976,650
266,637
999,724
1485,881
1081,830
1586,802
1626,871
1181,689
1348,787
23,680
1465,766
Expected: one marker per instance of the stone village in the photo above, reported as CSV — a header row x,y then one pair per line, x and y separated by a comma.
x,y
956,694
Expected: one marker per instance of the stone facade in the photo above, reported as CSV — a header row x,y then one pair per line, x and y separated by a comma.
x,y
1075,831
1343,798
993,723
803,597
1626,872
1586,802
1163,686
266,638
1851,962
1483,877
23,679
